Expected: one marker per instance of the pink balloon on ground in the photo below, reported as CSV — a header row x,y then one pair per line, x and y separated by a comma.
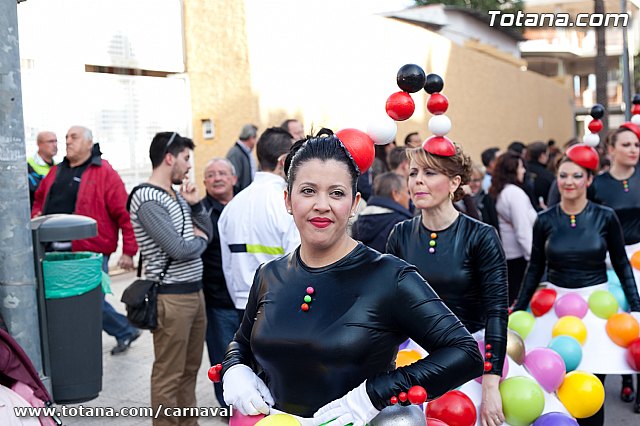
x,y
571,304
547,367
505,365
239,419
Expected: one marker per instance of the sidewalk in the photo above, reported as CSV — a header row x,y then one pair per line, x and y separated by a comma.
x,y
126,377
126,381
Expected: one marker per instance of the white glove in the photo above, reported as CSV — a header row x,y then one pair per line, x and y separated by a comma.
x,y
355,407
246,391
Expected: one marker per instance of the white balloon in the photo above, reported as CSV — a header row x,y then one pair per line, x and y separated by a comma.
x,y
635,119
382,130
591,139
439,125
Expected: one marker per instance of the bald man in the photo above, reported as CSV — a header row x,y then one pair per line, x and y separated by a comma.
x,y
39,165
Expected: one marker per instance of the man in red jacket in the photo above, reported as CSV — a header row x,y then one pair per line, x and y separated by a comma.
x,y
87,185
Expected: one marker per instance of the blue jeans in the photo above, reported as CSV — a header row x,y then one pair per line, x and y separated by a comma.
x,y
222,324
114,323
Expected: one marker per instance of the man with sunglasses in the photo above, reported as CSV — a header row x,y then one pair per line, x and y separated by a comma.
x,y
173,230
86,184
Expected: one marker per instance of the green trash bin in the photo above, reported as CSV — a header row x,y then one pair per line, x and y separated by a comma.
x,y
73,293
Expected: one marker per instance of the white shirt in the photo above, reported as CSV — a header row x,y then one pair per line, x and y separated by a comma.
x,y
516,217
254,228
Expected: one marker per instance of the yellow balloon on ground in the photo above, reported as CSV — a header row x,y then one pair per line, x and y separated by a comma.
x,y
407,357
581,393
570,326
278,420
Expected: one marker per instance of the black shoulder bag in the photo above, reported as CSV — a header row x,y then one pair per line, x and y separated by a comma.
x,y
141,299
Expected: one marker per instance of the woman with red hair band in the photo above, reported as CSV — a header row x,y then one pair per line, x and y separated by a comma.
x,y
571,240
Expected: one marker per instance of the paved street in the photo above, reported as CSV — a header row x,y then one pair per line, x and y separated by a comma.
x,y
126,381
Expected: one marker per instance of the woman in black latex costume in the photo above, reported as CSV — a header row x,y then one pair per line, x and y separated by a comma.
x,y
331,355
619,188
571,240
461,258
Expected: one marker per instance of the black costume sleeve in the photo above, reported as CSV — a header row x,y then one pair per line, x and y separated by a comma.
x,y
493,276
536,267
620,262
453,357
239,350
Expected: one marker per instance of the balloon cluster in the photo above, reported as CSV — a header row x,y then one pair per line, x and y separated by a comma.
x,y
635,110
382,131
584,154
595,126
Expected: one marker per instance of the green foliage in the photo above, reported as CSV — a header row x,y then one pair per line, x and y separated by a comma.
x,y
506,6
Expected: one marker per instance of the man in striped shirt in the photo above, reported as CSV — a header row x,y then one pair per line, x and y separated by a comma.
x,y
173,229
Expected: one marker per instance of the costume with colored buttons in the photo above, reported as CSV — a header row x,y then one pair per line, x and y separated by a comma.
x,y
466,266
573,248
360,309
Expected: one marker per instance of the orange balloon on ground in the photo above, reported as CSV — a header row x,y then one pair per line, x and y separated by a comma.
x,y
407,357
635,260
570,326
623,329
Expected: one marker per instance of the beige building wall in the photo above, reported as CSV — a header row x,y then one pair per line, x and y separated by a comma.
x,y
262,62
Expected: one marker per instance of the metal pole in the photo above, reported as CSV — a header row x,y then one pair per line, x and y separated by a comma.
x,y
626,78
18,304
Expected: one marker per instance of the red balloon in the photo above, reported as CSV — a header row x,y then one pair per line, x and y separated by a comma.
x,y
439,145
437,104
633,354
584,156
542,301
435,422
595,126
635,110
400,106
454,408
417,395
360,146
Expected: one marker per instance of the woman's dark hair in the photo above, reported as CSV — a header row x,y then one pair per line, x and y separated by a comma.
x,y
505,171
323,149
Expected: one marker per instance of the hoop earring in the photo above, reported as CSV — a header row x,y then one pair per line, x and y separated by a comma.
x,y
451,196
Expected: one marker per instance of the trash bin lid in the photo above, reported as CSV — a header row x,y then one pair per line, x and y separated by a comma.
x,y
64,227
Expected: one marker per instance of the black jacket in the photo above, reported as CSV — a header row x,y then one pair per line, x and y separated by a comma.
x,y
363,307
240,160
376,221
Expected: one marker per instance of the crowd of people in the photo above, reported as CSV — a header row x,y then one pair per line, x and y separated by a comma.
x,y
303,274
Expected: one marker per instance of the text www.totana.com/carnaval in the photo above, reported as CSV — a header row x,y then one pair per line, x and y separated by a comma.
x,y
160,411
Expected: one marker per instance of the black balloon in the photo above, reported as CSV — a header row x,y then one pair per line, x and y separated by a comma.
x,y
411,78
434,84
597,111
636,99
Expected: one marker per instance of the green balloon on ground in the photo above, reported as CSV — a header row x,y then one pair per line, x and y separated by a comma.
x,y
522,400
603,304
522,323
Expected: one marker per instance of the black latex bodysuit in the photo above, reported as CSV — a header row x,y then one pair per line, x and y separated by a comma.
x,y
575,257
610,192
468,270
363,307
